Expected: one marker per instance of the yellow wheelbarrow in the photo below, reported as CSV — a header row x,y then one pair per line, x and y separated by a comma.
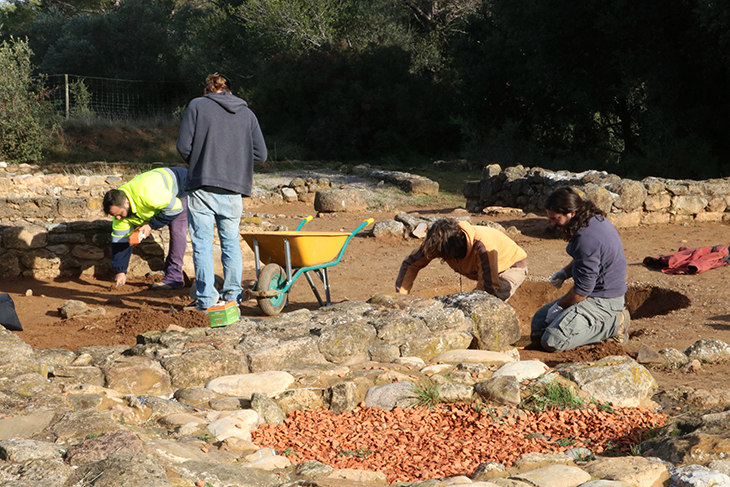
x,y
288,255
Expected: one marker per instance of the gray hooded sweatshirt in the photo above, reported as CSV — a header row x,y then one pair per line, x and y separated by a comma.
x,y
221,140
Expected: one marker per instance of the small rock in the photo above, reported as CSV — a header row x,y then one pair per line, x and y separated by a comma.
x,y
648,356
420,231
691,366
73,309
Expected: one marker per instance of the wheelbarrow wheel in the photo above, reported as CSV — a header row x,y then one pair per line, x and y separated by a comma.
x,y
272,277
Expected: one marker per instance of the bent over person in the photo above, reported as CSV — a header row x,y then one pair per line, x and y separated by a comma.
x,y
150,201
482,254
593,309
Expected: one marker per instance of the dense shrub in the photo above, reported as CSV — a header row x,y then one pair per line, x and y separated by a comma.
x,y
26,116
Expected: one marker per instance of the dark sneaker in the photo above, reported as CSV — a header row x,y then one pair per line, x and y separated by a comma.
x,y
194,307
622,337
162,286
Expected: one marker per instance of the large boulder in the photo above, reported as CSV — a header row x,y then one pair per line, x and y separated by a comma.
x,y
496,325
139,376
9,266
300,350
347,343
700,440
618,380
17,357
244,386
202,364
339,200
389,396
25,237
123,470
631,194
388,228
502,390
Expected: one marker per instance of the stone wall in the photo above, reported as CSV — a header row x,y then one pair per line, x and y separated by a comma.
x,y
35,196
53,225
627,202
72,249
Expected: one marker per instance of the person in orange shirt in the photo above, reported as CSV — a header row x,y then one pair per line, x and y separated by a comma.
x,y
482,254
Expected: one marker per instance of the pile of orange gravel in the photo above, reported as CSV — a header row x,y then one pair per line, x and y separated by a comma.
x,y
448,439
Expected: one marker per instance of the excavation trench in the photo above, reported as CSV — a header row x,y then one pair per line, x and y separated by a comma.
x,y
642,301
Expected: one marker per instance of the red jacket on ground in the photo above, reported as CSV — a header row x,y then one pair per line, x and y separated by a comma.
x,y
690,261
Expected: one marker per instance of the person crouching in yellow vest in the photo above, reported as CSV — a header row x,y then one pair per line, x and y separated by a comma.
x,y
149,202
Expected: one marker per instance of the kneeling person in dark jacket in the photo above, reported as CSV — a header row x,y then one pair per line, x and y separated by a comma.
x,y
593,309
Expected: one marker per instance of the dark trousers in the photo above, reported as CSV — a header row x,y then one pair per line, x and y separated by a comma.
x,y
178,243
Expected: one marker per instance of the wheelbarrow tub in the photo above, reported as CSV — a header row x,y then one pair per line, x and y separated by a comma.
x,y
308,249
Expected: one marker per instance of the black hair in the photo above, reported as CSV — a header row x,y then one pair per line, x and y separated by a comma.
x,y
114,197
566,200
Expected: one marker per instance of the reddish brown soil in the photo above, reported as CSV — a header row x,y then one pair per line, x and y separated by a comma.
x,y
667,311
370,265
448,440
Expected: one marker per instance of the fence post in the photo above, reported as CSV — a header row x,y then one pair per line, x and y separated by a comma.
x,y
65,80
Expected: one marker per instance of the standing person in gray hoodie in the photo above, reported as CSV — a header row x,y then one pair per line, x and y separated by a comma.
x,y
221,140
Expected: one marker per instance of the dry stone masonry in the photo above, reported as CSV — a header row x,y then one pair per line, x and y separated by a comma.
x,y
52,222
180,407
628,203
71,249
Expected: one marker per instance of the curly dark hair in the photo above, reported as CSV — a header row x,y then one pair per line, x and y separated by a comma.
x,y
445,239
566,200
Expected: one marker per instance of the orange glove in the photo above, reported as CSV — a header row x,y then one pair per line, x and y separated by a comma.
x,y
135,237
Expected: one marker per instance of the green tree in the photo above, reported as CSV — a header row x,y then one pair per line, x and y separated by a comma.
x,y
305,24
209,38
129,39
14,14
26,117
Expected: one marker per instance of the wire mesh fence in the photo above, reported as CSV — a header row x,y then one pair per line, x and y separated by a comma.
x,y
119,98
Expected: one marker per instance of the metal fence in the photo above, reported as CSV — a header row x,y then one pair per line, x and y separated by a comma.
x,y
120,98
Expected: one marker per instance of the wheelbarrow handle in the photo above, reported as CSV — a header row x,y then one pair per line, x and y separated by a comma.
x,y
301,223
344,246
363,225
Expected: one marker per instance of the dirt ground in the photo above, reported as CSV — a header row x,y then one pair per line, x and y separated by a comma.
x,y
667,311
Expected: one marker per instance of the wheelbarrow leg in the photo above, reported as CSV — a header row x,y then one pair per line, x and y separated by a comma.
x,y
256,257
326,282
287,254
322,274
314,288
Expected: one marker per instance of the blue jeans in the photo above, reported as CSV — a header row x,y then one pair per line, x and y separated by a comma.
x,y
206,209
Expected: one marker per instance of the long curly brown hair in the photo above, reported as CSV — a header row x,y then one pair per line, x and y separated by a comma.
x,y
445,239
565,200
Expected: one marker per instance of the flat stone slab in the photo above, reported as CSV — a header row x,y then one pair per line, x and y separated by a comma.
x,y
555,476
245,385
473,356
